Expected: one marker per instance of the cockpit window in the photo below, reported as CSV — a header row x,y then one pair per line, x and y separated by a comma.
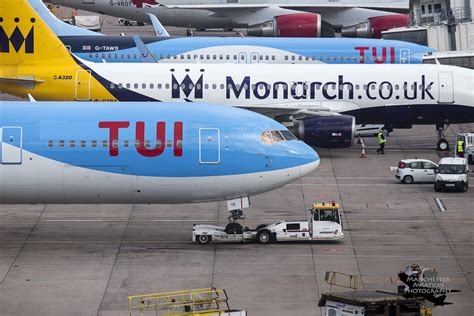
x,y
267,138
273,137
277,137
288,135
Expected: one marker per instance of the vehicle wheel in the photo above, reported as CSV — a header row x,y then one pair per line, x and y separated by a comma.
x,y
203,239
443,145
465,187
126,23
437,189
470,159
234,228
261,226
408,179
264,237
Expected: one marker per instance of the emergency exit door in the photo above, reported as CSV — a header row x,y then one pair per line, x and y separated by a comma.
x,y
446,92
404,56
83,85
209,146
11,148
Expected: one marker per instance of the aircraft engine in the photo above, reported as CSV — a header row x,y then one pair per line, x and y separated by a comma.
x,y
336,131
373,27
289,25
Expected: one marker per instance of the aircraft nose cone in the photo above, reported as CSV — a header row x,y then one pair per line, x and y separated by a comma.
x,y
309,160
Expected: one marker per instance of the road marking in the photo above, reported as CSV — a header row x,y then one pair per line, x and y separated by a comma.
x,y
440,204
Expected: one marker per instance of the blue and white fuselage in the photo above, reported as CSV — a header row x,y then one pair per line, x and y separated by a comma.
x,y
247,50
143,153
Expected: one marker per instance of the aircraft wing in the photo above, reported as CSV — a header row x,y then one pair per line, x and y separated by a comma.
x,y
20,80
396,5
300,110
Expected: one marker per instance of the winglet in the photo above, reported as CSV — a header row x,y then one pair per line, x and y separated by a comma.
x,y
144,51
30,97
160,31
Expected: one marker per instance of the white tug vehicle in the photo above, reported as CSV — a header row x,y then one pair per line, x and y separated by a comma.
x,y
324,224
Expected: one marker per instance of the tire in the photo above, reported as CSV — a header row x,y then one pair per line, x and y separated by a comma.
x,y
443,145
264,236
234,228
261,226
203,239
437,189
465,187
408,179
470,159
126,23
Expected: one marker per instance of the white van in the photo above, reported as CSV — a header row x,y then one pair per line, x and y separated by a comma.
x,y
452,173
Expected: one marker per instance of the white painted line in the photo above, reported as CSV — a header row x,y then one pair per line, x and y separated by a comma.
x,y
393,168
394,221
118,220
441,206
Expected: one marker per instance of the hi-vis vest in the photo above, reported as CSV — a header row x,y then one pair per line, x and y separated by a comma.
x,y
460,146
380,138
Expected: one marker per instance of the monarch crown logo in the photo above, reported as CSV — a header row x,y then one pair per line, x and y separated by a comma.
x,y
16,38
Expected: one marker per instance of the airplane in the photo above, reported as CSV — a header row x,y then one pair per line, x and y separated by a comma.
x,y
152,153
304,18
320,103
98,48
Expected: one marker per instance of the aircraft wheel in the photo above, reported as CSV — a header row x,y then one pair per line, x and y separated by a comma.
x,y
443,145
264,237
234,228
408,179
203,239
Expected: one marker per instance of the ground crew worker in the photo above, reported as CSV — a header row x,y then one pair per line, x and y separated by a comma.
x,y
461,147
382,140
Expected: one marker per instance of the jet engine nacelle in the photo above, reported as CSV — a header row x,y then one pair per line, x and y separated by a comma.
x,y
289,25
336,131
373,27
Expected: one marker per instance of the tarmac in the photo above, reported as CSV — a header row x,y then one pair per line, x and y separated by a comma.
x,y
86,259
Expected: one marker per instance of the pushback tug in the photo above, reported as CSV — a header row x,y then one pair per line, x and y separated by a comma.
x,y
325,224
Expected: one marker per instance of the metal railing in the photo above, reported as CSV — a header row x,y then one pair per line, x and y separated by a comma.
x,y
188,302
443,16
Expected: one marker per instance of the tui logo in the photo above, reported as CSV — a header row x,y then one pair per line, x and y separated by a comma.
x,y
17,38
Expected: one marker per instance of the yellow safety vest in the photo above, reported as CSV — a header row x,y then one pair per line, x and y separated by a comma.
x,y
460,146
380,138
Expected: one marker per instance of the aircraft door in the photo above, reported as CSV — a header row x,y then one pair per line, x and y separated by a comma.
x,y
209,146
446,92
83,85
242,58
404,56
11,146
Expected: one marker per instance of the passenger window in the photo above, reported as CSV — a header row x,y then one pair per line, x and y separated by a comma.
x,y
143,85
179,144
135,85
152,85
72,143
50,143
416,165
137,143
292,226
115,143
214,86
266,138
104,143
167,86
428,165
158,86
112,86
61,143
286,57
125,143
127,85
222,86
273,57
158,143
94,143
83,143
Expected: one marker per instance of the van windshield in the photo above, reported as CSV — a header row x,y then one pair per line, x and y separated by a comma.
x,y
451,169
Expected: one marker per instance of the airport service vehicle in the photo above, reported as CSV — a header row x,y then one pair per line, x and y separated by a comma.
x,y
320,103
468,139
416,170
324,224
452,174
164,49
128,22
91,153
303,18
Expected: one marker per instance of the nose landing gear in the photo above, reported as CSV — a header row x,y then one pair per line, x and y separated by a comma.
x,y
443,144
234,227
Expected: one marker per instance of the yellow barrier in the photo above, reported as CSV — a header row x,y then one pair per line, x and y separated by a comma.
x,y
189,302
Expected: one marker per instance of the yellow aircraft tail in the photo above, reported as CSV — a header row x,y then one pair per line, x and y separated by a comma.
x,y
25,38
